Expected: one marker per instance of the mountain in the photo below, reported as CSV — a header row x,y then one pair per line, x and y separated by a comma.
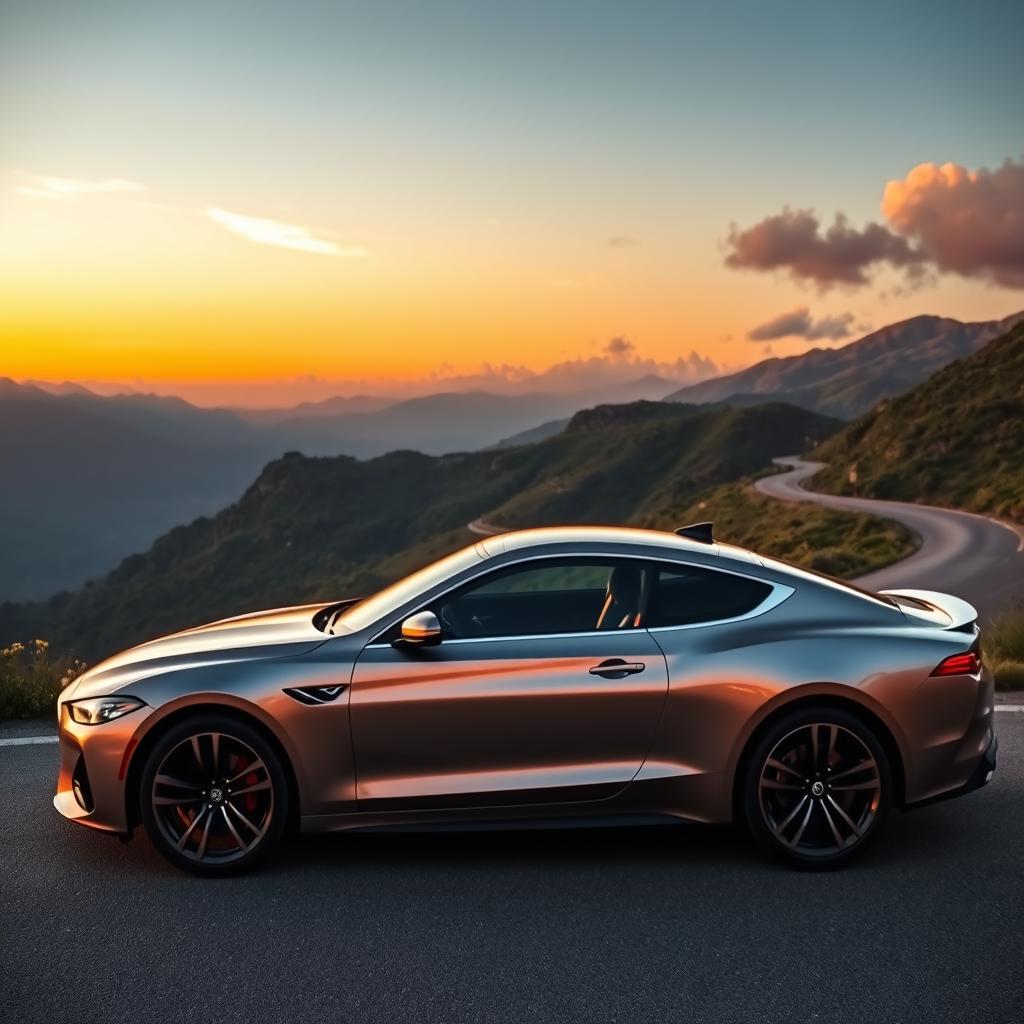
x,y
847,381
956,440
98,477
337,405
449,422
323,528
539,433
90,479
433,424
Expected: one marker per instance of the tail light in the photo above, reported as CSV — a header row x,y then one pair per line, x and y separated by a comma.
x,y
966,664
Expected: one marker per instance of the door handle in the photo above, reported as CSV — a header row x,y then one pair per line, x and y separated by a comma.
x,y
616,668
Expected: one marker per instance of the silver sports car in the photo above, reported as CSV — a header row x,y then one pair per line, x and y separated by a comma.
x,y
566,675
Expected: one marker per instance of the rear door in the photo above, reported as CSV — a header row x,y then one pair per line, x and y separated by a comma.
x,y
525,701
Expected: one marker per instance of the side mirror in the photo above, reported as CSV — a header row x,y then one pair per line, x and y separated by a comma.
x,y
422,629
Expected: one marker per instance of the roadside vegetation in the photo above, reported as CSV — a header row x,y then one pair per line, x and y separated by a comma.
x,y
1003,645
31,678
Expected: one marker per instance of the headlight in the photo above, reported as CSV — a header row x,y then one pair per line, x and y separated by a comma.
x,y
96,710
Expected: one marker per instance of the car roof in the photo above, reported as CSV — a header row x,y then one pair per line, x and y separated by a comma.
x,y
518,540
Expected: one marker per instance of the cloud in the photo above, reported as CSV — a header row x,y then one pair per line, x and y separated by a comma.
x,y
968,222
622,241
618,363
286,236
793,241
46,187
619,347
798,323
941,219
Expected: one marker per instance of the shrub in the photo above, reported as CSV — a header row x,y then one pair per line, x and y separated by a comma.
x,y
31,678
1004,649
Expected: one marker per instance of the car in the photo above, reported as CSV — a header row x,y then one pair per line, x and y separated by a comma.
x,y
557,676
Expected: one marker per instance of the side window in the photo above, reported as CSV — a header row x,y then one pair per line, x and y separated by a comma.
x,y
684,595
549,596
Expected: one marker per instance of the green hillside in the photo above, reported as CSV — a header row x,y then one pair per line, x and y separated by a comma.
x,y
324,528
956,440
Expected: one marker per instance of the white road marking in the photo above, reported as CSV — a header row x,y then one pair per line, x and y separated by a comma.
x,y
1009,707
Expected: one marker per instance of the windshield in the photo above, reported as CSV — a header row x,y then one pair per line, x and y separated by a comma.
x,y
387,601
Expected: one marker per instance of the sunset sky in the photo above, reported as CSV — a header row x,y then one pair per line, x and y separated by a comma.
x,y
216,198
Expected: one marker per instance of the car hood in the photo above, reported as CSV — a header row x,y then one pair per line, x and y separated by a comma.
x,y
280,633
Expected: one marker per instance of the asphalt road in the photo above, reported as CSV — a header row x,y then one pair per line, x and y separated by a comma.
x,y
978,559
678,924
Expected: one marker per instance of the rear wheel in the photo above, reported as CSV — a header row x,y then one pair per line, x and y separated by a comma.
x,y
818,787
213,796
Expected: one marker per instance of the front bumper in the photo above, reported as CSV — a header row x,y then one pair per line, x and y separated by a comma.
x,y
93,766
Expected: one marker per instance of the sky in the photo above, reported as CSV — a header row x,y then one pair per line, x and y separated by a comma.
x,y
255,202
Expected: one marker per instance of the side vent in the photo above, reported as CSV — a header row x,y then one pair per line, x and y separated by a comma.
x,y
316,694
701,532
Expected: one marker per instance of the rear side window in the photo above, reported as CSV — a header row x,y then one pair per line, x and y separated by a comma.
x,y
684,595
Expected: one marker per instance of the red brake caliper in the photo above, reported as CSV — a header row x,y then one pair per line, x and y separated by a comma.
x,y
250,798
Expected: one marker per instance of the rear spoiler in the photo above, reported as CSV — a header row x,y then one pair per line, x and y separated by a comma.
x,y
943,610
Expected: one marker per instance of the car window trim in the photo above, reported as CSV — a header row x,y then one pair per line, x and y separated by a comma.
x,y
779,593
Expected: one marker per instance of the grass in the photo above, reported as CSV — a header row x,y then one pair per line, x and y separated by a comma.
x,y
844,544
31,678
1003,643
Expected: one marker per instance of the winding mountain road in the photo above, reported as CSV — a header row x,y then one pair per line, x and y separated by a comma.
x,y
979,559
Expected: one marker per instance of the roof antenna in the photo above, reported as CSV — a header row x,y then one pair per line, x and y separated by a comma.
x,y
700,532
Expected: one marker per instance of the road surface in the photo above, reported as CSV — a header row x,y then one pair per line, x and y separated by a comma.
x,y
978,559
631,925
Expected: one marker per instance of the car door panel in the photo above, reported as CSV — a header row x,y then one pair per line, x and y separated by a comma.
x,y
505,720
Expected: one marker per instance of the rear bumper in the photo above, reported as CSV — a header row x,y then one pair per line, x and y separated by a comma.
x,y
980,776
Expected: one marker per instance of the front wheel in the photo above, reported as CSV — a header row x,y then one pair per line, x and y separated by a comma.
x,y
213,796
818,787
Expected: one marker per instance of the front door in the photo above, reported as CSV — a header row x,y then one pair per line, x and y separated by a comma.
x,y
543,689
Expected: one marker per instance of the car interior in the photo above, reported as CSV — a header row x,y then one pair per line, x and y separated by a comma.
x,y
580,596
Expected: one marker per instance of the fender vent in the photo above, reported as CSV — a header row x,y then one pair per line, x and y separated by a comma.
x,y
316,694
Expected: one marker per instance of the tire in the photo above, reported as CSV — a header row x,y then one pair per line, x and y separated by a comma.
x,y
817,787
214,796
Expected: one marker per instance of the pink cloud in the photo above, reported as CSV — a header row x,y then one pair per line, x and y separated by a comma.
x,y
968,222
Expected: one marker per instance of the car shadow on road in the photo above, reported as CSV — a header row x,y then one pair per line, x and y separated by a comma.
x,y
593,848
936,837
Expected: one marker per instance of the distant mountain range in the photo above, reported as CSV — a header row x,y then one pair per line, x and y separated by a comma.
x,y
847,381
956,440
324,528
448,422
90,479
93,478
